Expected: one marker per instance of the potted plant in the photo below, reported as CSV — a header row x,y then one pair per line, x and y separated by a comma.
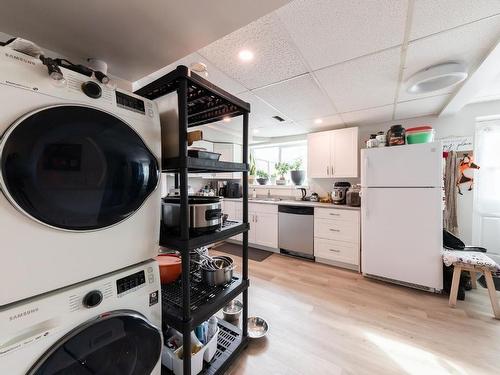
x,y
297,174
281,169
252,169
262,177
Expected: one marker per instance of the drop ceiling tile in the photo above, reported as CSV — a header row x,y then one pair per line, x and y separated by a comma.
x,y
366,82
329,122
328,32
299,98
421,107
369,116
280,130
469,44
275,56
215,76
431,16
261,113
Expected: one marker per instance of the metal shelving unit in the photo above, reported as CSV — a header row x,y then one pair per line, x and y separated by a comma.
x,y
188,302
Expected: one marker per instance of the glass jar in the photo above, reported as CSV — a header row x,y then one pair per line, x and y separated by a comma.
x,y
353,197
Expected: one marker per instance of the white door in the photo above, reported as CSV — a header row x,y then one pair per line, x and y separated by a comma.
x,y
486,217
266,233
409,166
318,155
344,153
402,234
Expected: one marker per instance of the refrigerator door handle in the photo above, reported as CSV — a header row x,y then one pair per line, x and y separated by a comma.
x,y
364,195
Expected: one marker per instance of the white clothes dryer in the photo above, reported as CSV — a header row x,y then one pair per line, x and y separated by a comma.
x,y
79,173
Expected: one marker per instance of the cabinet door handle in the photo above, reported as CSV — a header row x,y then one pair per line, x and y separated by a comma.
x,y
327,170
256,218
335,250
334,230
332,214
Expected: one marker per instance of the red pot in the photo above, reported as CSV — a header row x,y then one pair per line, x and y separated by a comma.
x,y
170,267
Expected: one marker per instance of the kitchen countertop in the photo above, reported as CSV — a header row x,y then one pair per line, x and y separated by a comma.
x,y
291,202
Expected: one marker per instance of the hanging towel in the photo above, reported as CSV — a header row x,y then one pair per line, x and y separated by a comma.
x,y
450,221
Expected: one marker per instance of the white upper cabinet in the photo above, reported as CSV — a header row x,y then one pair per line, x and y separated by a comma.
x,y
345,152
333,154
318,155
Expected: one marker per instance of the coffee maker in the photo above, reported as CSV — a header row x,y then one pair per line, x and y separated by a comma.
x,y
233,190
339,192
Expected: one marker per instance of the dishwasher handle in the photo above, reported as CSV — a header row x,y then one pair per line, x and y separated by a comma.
x,y
296,210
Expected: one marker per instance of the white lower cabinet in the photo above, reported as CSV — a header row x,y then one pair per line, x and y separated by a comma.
x,y
337,237
263,229
263,220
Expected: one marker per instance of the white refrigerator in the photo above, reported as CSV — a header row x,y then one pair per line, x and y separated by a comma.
x,y
401,214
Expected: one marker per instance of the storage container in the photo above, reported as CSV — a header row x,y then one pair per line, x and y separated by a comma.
x,y
171,360
420,134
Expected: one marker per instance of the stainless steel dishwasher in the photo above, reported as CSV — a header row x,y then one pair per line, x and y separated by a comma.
x,y
296,231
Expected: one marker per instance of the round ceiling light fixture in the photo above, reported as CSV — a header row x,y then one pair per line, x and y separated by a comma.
x,y
200,68
245,55
436,77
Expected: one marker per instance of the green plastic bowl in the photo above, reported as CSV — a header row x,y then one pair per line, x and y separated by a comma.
x,y
420,137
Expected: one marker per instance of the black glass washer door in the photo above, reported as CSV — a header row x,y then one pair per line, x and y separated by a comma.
x,y
121,343
76,168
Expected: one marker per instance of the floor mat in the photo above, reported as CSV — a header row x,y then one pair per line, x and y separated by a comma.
x,y
235,249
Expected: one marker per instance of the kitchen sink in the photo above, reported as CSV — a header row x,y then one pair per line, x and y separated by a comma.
x,y
266,199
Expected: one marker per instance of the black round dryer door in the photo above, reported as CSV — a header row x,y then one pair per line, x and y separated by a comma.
x,y
76,168
119,343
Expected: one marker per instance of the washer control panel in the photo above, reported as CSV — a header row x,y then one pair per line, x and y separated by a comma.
x,y
130,283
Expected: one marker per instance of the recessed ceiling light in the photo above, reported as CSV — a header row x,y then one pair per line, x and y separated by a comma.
x,y
245,55
226,119
318,121
436,77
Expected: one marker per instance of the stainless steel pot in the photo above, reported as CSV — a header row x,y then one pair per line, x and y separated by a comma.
x,y
205,213
217,271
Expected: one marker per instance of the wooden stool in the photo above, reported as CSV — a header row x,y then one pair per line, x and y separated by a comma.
x,y
473,269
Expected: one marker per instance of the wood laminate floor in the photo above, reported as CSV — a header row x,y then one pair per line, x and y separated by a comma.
x,y
325,320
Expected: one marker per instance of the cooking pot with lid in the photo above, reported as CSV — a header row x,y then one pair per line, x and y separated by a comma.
x,y
205,213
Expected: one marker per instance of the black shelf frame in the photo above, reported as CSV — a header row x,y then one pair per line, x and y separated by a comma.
x,y
201,102
173,241
195,165
208,301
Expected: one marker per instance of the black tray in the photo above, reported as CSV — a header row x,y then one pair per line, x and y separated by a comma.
x,y
201,154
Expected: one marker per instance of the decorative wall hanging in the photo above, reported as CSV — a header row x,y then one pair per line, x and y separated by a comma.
x,y
457,144
465,163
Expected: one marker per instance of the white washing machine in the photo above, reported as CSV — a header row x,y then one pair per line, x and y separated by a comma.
x,y
79,175
109,325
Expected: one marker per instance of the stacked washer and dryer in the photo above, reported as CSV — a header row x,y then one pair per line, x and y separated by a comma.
x,y
79,224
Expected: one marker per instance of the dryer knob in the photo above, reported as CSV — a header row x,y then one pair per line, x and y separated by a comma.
x,y
92,299
92,89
